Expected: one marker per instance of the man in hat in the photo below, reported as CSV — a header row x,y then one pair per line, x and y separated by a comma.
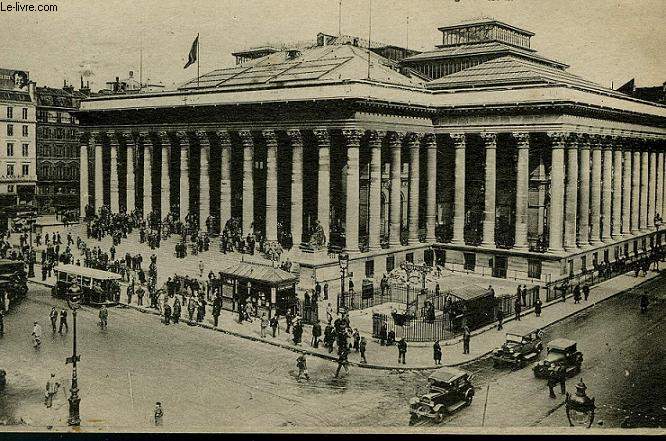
x,y
301,364
51,389
158,413
36,335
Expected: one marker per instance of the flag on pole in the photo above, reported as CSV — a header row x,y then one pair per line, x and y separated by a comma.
x,y
192,57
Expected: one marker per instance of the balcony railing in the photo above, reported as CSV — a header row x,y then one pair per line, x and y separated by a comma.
x,y
17,178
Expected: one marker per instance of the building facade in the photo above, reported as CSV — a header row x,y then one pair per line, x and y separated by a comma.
x,y
17,137
500,163
58,141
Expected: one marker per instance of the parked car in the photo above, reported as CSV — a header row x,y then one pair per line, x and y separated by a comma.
x,y
449,390
522,346
562,352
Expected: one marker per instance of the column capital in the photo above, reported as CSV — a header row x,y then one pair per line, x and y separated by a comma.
x,y
430,140
522,139
375,136
269,136
295,137
323,137
489,139
595,142
125,137
201,136
84,137
183,138
557,139
458,140
164,137
352,136
246,138
394,137
223,136
96,137
412,139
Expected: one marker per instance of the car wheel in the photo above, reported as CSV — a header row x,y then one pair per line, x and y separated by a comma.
x,y
413,419
439,417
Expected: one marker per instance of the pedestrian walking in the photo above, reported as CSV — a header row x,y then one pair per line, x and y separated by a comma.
x,y
562,378
36,335
402,351
329,313
201,268
158,413
274,325
552,382
383,331
466,338
264,325
537,307
500,318
343,362
356,337
586,292
289,318
437,352
103,317
191,307
176,311
139,295
167,313
297,332
576,294
316,333
53,315
63,321
302,365
217,309
51,389
517,307
362,346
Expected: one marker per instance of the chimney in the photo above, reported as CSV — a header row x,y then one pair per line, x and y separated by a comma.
x,y
31,91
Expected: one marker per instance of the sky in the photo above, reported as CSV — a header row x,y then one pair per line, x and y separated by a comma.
x,y
603,40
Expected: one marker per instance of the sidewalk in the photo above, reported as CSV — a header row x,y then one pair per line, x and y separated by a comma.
x,y
419,355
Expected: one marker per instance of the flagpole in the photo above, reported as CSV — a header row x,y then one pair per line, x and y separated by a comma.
x,y
198,58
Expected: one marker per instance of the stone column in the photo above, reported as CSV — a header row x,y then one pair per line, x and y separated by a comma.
x,y
184,196
459,198
430,142
375,226
165,175
352,138
584,192
84,190
147,174
395,146
522,188
204,182
635,190
626,190
413,141
595,198
296,212
97,140
607,190
571,194
490,143
659,206
652,189
324,180
225,176
643,208
271,185
556,212
248,181
113,175
131,176
616,232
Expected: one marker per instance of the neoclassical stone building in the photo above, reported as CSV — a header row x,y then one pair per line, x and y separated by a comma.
x,y
480,154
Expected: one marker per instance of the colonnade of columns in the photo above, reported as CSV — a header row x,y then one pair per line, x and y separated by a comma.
x,y
613,189
601,188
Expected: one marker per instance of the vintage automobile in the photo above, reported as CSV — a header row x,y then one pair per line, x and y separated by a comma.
x,y
562,352
13,281
449,390
522,346
97,287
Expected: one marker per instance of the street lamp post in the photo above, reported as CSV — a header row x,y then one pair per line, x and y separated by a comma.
x,y
31,260
343,261
74,400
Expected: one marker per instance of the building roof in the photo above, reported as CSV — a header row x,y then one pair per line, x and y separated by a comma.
x,y
260,273
482,21
469,292
491,47
52,97
13,95
324,63
512,70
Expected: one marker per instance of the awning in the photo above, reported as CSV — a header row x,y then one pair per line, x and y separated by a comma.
x,y
259,273
469,292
